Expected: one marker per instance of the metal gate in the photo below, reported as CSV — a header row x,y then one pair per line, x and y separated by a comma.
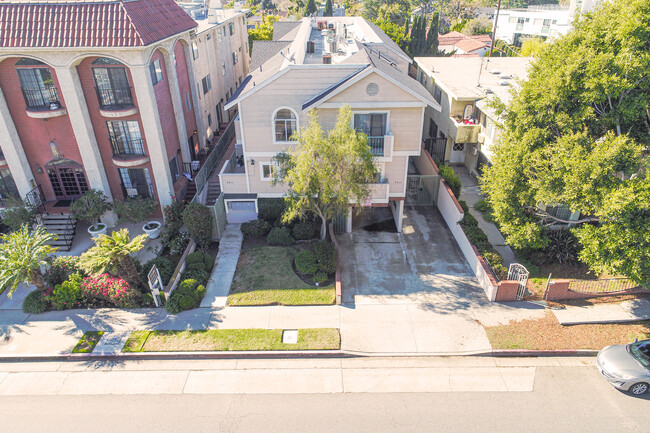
x,y
340,223
422,190
518,272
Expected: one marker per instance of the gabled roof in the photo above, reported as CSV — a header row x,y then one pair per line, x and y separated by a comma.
x,y
264,50
469,45
281,28
109,23
385,39
328,91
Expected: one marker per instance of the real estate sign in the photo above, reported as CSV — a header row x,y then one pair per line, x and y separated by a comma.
x,y
155,284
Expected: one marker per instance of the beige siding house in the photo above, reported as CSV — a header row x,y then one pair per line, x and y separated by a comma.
x,y
312,65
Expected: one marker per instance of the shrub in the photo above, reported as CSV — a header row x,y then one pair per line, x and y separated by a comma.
x,y
326,255
255,229
270,209
195,257
187,286
306,262
188,295
68,294
304,230
17,214
35,302
134,210
280,236
199,260
320,277
179,243
61,268
469,220
173,222
105,290
164,265
196,266
483,207
475,235
199,275
464,206
91,206
493,258
187,302
173,305
198,220
563,247
451,178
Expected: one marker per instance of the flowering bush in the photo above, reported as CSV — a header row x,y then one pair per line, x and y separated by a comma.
x,y
67,294
61,268
106,291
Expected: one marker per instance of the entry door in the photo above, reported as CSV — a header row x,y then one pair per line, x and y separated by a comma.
x,y
68,183
457,153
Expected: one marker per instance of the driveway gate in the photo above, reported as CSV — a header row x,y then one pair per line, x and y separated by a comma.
x,y
519,273
422,190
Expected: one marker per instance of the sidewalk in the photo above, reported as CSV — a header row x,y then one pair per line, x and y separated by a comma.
x,y
219,283
626,311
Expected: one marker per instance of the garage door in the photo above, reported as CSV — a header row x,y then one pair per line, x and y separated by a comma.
x,y
241,211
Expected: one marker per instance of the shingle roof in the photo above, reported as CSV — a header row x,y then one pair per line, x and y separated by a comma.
x,y
281,28
264,50
385,38
452,38
110,23
323,94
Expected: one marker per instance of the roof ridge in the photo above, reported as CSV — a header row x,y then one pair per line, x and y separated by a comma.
x,y
133,26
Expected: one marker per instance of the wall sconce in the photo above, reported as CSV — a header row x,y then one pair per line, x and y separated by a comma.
x,y
252,161
194,132
39,169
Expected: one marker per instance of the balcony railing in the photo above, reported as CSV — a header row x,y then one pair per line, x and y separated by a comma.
x,y
376,145
114,98
127,146
42,99
142,190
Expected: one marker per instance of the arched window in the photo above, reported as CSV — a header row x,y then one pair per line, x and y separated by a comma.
x,y
285,124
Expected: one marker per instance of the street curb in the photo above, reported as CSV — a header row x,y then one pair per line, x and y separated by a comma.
x,y
530,353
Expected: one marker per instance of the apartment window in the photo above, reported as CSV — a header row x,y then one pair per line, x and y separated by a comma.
x,y
173,168
433,128
136,182
207,85
195,50
38,88
156,71
437,94
188,102
512,20
125,137
267,170
223,68
231,27
520,24
374,126
286,123
112,86
235,57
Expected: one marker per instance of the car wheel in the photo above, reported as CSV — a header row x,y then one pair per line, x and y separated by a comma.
x,y
639,388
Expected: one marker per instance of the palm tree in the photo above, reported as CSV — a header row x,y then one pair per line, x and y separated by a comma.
x,y
21,255
112,254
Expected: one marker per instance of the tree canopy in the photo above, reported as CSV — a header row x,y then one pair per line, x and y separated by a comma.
x,y
577,133
326,172
329,11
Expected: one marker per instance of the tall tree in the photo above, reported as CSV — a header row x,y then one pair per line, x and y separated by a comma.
x,y
578,134
328,12
311,8
21,256
326,172
264,32
432,36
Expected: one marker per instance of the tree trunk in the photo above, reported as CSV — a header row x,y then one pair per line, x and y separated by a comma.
x,y
323,229
37,280
130,273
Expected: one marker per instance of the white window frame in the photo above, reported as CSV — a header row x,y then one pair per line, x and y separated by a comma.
x,y
386,112
273,124
272,166
155,69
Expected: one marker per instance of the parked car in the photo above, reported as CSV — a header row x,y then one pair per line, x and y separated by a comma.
x,y
626,366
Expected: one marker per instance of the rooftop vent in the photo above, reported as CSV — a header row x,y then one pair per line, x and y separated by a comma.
x,y
504,83
504,76
327,59
495,71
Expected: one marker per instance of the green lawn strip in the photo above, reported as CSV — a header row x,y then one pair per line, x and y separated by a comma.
x,y
88,342
234,340
265,276
135,341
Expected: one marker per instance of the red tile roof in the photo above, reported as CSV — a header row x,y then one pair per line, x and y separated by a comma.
x,y
109,23
453,37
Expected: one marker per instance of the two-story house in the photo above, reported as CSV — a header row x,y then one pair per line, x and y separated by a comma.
x,y
322,64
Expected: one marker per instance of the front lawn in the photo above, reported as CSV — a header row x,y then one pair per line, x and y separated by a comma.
x,y
88,342
231,339
265,276
548,334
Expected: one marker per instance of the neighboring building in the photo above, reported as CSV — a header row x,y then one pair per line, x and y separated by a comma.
x,y
464,131
308,67
114,104
338,10
458,43
542,21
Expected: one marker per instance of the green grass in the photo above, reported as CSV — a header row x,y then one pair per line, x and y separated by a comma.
x,y
231,339
88,342
265,276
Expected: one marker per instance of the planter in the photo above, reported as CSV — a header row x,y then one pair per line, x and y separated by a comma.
x,y
97,229
152,229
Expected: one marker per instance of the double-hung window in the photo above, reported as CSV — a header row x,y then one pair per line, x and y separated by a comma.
x,y
207,84
136,182
267,171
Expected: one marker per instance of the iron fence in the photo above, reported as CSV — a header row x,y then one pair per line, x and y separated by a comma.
x,y
114,98
46,98
436,148
606,285
376,145
127,146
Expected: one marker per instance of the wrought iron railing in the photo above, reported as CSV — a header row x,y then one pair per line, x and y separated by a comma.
x,y
42,99
138,189
114,98
604,285
213,159
35,197
376,145
127,146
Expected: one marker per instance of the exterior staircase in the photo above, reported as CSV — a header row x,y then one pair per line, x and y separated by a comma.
x,y
214,190
62,225
190,192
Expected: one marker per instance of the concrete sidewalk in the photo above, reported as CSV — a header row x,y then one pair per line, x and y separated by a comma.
x,y
626,311
219,284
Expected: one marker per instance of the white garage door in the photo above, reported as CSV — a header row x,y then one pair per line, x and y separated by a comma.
x,y
241,211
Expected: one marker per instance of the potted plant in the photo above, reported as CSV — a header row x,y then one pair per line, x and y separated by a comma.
x,y
89,208
138,210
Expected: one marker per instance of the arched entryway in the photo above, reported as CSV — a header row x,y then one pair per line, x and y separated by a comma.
x,y
67,178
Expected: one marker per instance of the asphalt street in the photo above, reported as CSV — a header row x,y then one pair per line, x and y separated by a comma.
x,y
567,395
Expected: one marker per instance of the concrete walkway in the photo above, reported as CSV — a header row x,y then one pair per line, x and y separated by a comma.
x,y
626,311
470,193
223,273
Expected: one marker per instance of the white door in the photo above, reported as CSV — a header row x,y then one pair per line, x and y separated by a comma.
x,y
457,153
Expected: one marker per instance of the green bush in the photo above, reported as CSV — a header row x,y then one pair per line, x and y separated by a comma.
x,y
198,220
483,207
67,294
280,236
187,286
18,213
451,178
475,235
469,220
326,255
187,302
306,262
196,274
563,247
35,302
179,243
197,258
464,206
173,305
493,258
320,277
255,229
198,266
61,268
173,222
91,206
270,209
134,210
188,295
304,230
164,265
200,292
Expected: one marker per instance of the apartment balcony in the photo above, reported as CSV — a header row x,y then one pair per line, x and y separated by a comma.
x,y
116,102
232,177
381,146
379,192
128,153
43,103
466,130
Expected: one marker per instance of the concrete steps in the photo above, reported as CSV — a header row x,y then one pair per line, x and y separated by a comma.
x,y
214,190
62,225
